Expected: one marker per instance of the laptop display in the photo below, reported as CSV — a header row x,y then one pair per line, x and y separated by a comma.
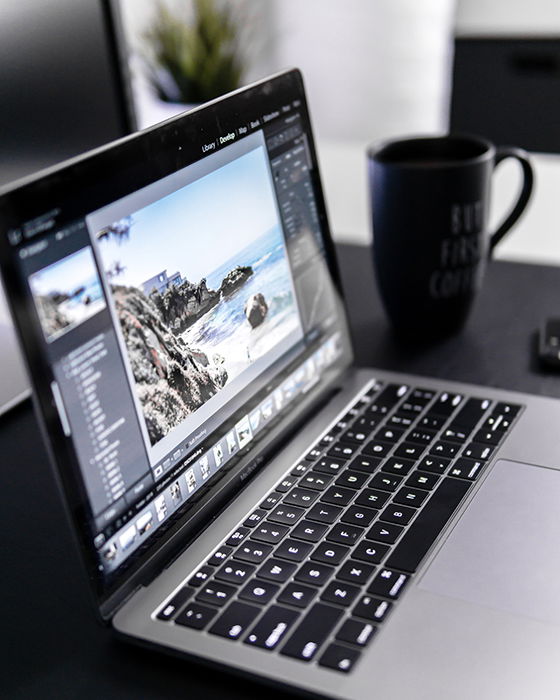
x,y
182,301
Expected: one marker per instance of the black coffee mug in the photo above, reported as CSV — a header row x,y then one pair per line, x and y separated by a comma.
x,y
429,201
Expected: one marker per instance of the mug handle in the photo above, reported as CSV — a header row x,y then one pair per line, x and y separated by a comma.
x,y
528,178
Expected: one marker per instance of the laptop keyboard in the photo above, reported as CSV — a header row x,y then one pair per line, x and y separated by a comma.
x,y
314,571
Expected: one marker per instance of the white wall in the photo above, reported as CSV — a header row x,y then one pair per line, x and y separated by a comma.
x,y
508,17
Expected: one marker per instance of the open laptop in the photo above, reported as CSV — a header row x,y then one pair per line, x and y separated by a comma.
x,y
239,492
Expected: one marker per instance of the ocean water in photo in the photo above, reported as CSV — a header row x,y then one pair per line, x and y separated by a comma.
x,y
224,333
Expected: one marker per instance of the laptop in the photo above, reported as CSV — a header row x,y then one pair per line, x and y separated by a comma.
x,y
240,493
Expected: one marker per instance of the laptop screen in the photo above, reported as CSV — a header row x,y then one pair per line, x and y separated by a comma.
x,y
177,300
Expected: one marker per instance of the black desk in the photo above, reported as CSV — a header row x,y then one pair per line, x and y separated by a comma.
x,y
51,646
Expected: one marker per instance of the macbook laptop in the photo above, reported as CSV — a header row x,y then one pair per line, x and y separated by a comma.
x,y
240,493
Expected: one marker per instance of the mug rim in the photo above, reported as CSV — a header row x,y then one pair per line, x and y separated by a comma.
x,y
375,151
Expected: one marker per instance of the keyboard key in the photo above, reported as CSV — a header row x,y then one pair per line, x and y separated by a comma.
x,y
255,518
343,450
352,480
314,573
409,450
478,451
490,437
172,607
397,465
401,420
285,515
385,482
388,584
408,496
220,555
508,409
421,436
273,626
465,468
497,422
431,422
384,532
388,434
340,593
216,593
286,484
372,498
269,532
366,423
258,591
345,534
310,531
293,550
422,480
271,500
358,515
457,434
253,552
300,469
445,449
201,576
445,404
364,463
339,658
235,572
324,513
471,412
235,620
356,632
370,552
435,465
312,631
329,465
372,608
330,553
418,539
355,572
238,536
395,513
354,434
376,448
196,616
338,496
297,594
316,481
301,497
277,570
391,395
313,454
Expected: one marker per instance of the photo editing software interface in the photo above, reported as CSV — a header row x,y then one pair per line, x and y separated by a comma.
x,y
164,311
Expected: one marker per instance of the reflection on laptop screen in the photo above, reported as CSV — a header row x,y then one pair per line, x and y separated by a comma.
x,y
180,319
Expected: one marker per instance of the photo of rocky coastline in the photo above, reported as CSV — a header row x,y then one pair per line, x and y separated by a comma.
x,y
225,304
67,293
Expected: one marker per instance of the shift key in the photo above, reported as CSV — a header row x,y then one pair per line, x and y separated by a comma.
x,y
312,631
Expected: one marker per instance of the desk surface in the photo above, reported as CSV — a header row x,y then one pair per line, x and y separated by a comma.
x,y
51,645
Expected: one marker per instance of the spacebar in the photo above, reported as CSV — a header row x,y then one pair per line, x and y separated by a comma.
x,y
430,522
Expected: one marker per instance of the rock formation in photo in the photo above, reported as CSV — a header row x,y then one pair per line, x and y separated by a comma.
x,y
256,309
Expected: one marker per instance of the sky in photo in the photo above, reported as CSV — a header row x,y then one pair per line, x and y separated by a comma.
x,y
199,227
66,275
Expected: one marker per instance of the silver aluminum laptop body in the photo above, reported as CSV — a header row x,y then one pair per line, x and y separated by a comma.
x,y
100,258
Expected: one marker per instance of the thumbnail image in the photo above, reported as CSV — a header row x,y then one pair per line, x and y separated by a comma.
x,y
202,292
190,478
67,293
244,434
175,491
144,523
161,507
126,540
231,442
204,467
218,454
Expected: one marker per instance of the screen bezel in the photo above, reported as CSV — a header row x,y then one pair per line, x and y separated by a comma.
x,y
139,160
